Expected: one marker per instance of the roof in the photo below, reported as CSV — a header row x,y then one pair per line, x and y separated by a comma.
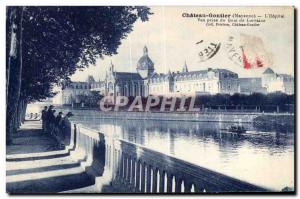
x,y
90,79
127,76
191,74
268,71
145,63
285,76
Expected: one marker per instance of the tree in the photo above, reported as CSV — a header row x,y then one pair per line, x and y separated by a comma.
x,y
13,67
53,42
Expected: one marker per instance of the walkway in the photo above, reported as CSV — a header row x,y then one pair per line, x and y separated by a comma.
x,y
35,164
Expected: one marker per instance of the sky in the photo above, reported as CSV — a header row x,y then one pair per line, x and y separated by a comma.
x,y
171,40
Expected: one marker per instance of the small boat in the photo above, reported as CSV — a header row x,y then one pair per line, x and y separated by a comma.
x,y
235,129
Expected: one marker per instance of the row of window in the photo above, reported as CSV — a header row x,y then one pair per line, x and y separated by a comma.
x,y
189,87
79,86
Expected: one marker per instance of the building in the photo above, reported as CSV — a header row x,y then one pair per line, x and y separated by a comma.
x,y
72,92
277,82
269,82
251,85
147,82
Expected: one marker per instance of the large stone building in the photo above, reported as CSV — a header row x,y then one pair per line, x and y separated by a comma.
x,y
146,81
268,83
72,92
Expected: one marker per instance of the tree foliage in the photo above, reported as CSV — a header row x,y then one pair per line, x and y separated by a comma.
x,y
60,40
47,44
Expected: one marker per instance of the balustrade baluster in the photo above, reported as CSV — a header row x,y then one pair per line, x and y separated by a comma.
x,y
121,165
162,181
154,183
132,180
114,171
125,167
128,169
106,156
178,182
182,186
110,156
138,175
143,177
193,189
148,180
173,184
169,183
187,187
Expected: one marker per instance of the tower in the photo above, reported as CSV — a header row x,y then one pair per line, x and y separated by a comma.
x,y
111,67
145,66
184,68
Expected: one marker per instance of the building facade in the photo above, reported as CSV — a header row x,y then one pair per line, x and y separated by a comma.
x,y
269,82
146,81
277,82
71,92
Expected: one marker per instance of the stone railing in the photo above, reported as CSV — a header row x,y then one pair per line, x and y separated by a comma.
x,y
135,168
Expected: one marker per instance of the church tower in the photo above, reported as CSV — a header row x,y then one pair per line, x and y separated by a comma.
x,y
185,69
111,67
145,66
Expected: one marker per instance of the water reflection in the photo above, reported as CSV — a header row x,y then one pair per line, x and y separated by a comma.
x,y
257,157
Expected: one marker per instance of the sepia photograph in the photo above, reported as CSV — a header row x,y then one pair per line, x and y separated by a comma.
x,y
150,99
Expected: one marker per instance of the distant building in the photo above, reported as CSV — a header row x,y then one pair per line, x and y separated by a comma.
x,y
147,82
268,83
72,92
251,85
277,82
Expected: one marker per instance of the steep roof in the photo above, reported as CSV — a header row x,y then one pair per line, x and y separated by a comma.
x,y
268,71
90,79
127,76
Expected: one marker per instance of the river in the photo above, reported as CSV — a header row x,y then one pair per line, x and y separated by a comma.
x,y
263,156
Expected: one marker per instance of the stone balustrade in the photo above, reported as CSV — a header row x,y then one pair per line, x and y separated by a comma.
x,y
136,168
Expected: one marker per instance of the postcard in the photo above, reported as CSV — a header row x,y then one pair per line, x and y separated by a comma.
x,y
150,99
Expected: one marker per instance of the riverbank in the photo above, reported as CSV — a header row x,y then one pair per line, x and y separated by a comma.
x,y
239,117
259,118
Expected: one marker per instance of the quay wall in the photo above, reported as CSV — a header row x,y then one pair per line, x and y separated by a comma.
x,y
239,117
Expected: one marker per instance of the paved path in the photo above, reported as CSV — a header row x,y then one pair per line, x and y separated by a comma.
x,y
35,164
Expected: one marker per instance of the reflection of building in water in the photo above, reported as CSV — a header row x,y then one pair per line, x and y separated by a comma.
x,y
146,82
269,82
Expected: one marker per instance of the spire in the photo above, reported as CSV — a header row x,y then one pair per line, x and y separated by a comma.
x,y
185,69
145,50
111,67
